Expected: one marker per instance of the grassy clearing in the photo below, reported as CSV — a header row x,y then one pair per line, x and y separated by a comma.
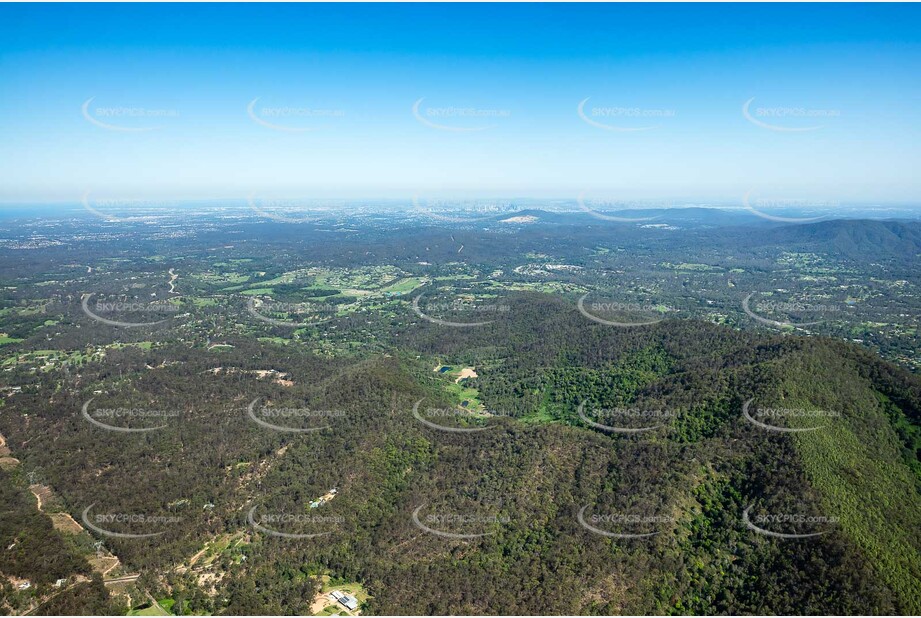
x,y
217,546
275,340
462,393
204,302
403,286
332,608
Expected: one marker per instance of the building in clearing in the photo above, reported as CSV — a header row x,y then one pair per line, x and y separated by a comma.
x,y
346,600
349,602
324,498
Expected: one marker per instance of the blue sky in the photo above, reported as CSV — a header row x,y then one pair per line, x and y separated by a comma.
x,y
157,101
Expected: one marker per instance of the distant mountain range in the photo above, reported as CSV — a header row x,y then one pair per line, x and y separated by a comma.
x,y
691,217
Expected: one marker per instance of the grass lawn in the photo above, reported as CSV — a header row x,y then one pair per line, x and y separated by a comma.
x,y
204,302
275,340
403,286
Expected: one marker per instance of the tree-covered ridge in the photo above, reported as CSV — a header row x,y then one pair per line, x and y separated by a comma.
x,y
521,483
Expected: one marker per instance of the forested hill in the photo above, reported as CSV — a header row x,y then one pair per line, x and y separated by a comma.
x,y
852,238
547,509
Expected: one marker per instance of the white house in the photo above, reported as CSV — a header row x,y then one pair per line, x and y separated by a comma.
x,y
346,600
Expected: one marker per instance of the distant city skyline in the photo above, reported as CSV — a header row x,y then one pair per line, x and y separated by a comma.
x,y
710,103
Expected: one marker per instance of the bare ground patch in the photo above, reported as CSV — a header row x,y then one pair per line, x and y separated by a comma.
x,y
65,523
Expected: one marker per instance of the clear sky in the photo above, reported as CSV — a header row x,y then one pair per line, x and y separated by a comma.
x,y
182,101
